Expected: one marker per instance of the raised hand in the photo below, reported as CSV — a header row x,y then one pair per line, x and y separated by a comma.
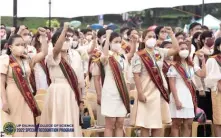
x,y
66,25
134,38
108,33
42,31
169,30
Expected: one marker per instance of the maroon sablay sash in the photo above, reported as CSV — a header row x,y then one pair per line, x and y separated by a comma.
x,y
24,87
71,78
45,68
188,83
32,81
125,46
218,59
120,82
154,73
165,69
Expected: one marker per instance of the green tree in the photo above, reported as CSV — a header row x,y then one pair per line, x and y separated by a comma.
x,y
54,23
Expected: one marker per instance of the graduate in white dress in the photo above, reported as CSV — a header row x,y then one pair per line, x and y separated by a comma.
x,y
88,37
182,97
41,72
79,56
114,95
63,98
95,71
151,86
213,81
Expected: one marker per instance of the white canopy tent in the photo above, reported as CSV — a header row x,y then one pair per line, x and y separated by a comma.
x,y
210,21
76,8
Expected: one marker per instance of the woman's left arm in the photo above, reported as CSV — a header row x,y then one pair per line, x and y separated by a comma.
x,y
174,50
133,43
94,43
202,72
44,48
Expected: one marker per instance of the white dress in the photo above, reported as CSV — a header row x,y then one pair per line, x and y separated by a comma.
x,y
40,77
183,94
85,60
76,64
60,105
156,110
111,102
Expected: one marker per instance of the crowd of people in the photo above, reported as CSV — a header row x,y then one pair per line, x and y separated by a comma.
x,y
174,74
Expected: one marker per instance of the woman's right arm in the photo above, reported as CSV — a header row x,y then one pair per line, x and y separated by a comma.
x,y
60,41
172,82
138,84
5,107
107,42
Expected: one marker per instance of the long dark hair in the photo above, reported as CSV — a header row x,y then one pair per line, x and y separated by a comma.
x,y
37,43
199,45
216,46
11,41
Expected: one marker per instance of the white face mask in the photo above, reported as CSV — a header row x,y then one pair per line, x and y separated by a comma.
x,y
151,42
74,44
184,53
116,47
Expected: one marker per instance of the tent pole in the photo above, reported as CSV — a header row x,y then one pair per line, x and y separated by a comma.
x,y
49,4
15,13
203,12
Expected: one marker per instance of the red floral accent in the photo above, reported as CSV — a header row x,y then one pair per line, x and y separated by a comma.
x,y
18,70
14,64
157,56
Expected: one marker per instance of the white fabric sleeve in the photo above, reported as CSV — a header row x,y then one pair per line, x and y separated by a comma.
x,y
4,64
163,52
51,61
213,73
172,72
136,64
197,80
